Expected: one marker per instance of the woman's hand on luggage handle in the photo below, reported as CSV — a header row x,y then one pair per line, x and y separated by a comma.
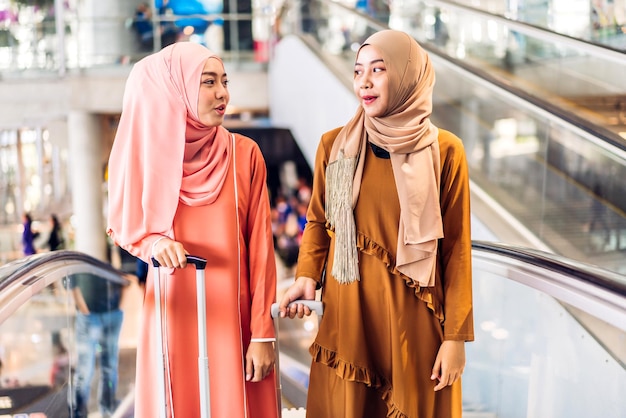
x,y
302,288
259,361
170,253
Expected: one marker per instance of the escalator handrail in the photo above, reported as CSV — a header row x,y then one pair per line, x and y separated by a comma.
x,y
604,279
33,269
597,134
598,51
28,266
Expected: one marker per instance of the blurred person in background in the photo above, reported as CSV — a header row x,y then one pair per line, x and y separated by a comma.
x,y
28,235
55,239
97,329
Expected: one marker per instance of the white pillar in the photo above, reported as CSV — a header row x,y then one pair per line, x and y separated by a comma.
x,y
85,160
43,199
103,36
470,131
59,21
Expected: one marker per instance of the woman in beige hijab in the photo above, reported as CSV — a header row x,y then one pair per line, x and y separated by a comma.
x,y
388,241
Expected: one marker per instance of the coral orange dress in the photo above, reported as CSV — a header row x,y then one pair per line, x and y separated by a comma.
x,y
240,288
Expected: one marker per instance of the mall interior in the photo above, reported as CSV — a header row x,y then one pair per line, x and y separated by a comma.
x,y
536,90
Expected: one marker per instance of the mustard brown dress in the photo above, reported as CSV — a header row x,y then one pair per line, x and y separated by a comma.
x,y
379,337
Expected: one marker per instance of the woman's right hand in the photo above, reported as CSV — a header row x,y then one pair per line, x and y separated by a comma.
x,y
302,288
170,253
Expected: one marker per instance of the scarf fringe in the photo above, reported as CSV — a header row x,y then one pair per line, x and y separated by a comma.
x,y
339,214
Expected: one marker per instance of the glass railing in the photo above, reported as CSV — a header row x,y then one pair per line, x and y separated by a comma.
x,y
598,22
550,332
39,43
42,335
557,176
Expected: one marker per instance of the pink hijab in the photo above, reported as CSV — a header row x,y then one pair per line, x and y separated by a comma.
x,y
162,152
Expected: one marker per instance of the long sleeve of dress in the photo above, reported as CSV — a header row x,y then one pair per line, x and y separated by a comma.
x,y
262,262
456,247
315,238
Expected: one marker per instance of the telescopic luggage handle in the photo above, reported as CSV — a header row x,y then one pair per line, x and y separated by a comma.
x,y
203,360
315,306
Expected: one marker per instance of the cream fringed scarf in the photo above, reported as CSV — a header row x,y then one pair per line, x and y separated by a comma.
x,y
339,214
406,132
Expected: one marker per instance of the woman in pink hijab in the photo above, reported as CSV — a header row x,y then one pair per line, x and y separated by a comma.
x,y
180,183
388,240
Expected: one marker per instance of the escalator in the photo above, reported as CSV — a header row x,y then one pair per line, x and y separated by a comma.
x,y
550,337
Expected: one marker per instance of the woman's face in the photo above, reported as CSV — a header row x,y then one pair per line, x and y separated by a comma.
x,y
371,83
214,96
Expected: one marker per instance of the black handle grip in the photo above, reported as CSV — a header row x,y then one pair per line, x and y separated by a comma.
x,y
199,262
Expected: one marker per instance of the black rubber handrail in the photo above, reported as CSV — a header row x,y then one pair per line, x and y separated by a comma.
x,y
605,279
569,117
22,268
608,280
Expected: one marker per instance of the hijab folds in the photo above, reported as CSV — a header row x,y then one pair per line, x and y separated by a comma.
x,y
405,131
162,153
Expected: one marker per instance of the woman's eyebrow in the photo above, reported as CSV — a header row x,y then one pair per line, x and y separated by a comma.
x,y
212,74
371,62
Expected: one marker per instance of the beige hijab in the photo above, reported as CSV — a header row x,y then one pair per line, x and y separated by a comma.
x,y
406,132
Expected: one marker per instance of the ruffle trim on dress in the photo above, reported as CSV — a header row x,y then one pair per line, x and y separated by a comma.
x,y
350,372
368,246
